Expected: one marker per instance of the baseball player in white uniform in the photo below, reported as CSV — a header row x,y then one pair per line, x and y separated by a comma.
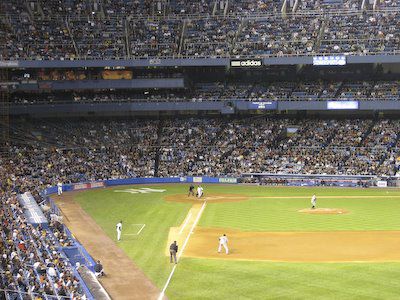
x,y
119,230
199,191
223,241
59,188
313,201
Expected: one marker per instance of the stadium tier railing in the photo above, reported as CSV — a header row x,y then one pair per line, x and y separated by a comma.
x,y
243,14
155,59
211,99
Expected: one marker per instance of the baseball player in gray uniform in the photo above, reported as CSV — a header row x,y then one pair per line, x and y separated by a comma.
x,y
173,249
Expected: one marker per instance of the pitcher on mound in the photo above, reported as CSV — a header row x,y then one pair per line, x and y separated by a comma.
x,y
313,201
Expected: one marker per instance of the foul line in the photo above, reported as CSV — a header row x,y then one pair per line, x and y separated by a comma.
x,y
182,249
184,224
191,229
166,284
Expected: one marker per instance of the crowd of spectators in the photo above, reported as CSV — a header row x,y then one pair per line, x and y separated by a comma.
x,y
43,153
48,151
361,33
94,150
220,91
149,38
98,39
279,36
119,149
31,265
347,147
120,29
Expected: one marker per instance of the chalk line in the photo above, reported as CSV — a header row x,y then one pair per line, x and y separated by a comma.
x,y
186,221
182,249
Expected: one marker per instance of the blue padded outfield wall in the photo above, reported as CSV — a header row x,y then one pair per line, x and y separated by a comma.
x,y
152,180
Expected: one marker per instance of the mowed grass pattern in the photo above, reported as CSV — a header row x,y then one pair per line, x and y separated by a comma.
x,y
257,214
283,215
108,207
212,279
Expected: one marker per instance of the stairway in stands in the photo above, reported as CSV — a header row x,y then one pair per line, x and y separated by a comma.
x,y
157,148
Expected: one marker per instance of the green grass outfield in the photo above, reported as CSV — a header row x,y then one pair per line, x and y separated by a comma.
x,y
212,279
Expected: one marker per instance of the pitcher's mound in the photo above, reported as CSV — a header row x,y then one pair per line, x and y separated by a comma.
x,y
214,198
327,211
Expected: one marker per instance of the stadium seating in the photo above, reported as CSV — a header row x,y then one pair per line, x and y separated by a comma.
x,y
31,265
91,150
137,29
44,152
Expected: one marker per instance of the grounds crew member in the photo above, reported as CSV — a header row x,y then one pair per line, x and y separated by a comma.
x,y
98,269
173,250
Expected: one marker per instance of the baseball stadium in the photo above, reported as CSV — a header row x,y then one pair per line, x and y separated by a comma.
x,y
213,149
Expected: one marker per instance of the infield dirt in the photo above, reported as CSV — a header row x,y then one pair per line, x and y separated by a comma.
x,y
212,198
324,211
332,246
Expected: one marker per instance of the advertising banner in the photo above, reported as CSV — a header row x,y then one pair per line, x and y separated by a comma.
x,y
246,63
342,105
198,179
90,185
339,60
263,105
381,183
227,180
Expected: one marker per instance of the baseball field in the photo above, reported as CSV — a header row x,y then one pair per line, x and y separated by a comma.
x,y
349,248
